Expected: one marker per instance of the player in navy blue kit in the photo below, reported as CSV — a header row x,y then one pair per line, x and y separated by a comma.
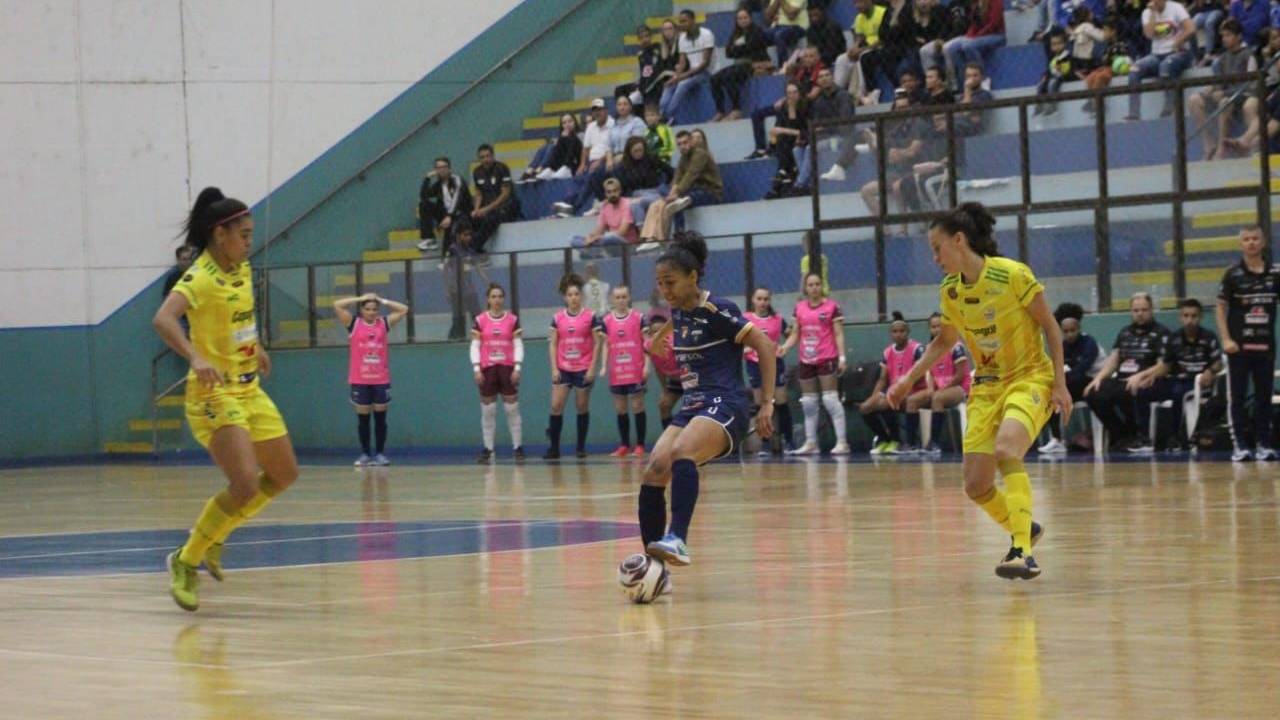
x,y
707,334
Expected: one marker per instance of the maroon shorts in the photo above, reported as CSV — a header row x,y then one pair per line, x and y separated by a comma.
x,y
497,381
826,367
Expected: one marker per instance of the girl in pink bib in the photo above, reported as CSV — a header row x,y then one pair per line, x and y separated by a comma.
x,y
573,346
627,366
368,368
948,382
497,352
819,332
895,363
774,327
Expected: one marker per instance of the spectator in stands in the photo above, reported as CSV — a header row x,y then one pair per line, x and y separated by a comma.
x,y
904,143
1112,49
909,83
497,202
1086,41
1253,16
825,35
970,123
697,182
1081,361
984,34
443,200
1128,15
931,24
625,126
592,164
658,137
1119,401
787,134
458,282
929,168
183,256
1059,70
865,50
694,70
657,63
806,249
1191,357
935,87
615,225
747,46
643,176
788,19
1236,58
804,74
560,160
1169,27
831,103
1206,15
898,49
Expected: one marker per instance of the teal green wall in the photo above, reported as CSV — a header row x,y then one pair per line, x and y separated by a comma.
x,y
47,406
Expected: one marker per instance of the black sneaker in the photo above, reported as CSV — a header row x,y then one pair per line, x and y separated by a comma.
x,y
1017,566
580,453
758,154
552,453
485,456
518,454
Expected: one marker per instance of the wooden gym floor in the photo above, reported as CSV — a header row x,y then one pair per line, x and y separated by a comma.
x,y
818,590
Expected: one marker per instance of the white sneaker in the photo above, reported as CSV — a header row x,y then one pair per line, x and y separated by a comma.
x,y
1053,447
841,448
763,453
680,204
562,209
428,245
650,246
835,174
1264,453
809,448
594,210
1241,455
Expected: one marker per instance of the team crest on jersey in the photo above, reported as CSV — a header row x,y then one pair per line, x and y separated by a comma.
x,y
684,332
989,314
952,294
188,277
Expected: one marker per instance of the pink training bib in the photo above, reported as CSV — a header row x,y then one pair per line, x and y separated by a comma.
x,y
368,360
900,362
944,372
626,348
771,327
664,360
575,341
817,331
497,339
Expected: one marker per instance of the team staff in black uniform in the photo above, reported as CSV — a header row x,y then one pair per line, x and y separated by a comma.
x,y
1190,356
497,203
1120,402
1246,316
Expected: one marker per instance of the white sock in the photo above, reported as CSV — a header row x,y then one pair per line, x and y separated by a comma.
x,y
831,400
514,424
488,423
809,404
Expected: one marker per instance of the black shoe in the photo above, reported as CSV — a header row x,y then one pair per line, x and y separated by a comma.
x,y
518,454
551,454
1016,566
758,154
580,453
485,456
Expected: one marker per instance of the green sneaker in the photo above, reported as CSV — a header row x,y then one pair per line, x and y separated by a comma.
x,y
213,561
183,582
890,448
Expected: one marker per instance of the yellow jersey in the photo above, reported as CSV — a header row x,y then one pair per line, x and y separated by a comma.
x,y
1006,342
224,329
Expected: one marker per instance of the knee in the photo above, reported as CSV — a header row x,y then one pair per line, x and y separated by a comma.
x,y
658,471
1007,450
976,487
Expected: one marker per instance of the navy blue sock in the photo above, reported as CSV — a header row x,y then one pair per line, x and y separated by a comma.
x,y
641,421
553,430
584,422
913,428
380,429
363,427
653,513
782,415
684,496
624,429
935,427
890,420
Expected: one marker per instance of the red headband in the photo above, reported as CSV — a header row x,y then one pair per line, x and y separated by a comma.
x,y
231,217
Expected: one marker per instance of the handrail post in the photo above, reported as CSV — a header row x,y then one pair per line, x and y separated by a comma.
x,y
1264,189
311,306
1024,151
513,274
410,328
1179,188
882,159
155,413
749,266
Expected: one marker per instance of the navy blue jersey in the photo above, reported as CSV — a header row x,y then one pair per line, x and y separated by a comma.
x,y
707,342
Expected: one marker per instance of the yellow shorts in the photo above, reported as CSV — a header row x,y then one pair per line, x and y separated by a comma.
x,y
1029,401
210,410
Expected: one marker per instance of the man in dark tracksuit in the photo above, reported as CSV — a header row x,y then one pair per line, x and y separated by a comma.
x,y
1246,316
1191,356
1116,395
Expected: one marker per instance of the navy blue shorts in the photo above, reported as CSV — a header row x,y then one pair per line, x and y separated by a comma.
x,y
370,394
575,378
731,412
753,374
629,389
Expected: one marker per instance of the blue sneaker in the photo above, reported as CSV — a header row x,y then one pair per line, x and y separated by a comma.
x,y
1017,566
670,549
381,460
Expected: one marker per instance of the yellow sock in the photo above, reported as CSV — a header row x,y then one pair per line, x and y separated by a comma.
x,y
266,493
216,516
1018,488
993,503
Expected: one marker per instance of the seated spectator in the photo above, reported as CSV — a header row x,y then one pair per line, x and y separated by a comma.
x,y
1060,70
904,141
1236,58
591,164
896,362
625,126
1253,16
497,202
927,172
1249,141
615,225
559,161
984,34
694,70
747,46
1191,357
1113,48
658,139
1128,17
643,176
970,123
1118,400
931,24
657,63
909,83
697,182
1169,27
831,103
443,200
788,20
1081,361
786,135
897,39
825,35
865,50
935,88
1206,15
804,74
948,386
1086,40
183,256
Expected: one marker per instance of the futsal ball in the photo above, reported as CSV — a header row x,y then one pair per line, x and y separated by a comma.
x,y
1120,65
642,578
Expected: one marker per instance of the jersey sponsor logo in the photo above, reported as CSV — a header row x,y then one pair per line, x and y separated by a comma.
x,y
983,331
233,297
237,283
242,316
188,277
989,314
971,301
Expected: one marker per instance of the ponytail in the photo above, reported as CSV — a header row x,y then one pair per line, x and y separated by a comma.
x,y
212,209
688,252
976,223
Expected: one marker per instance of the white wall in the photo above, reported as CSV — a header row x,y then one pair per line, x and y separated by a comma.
x,y
114,113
